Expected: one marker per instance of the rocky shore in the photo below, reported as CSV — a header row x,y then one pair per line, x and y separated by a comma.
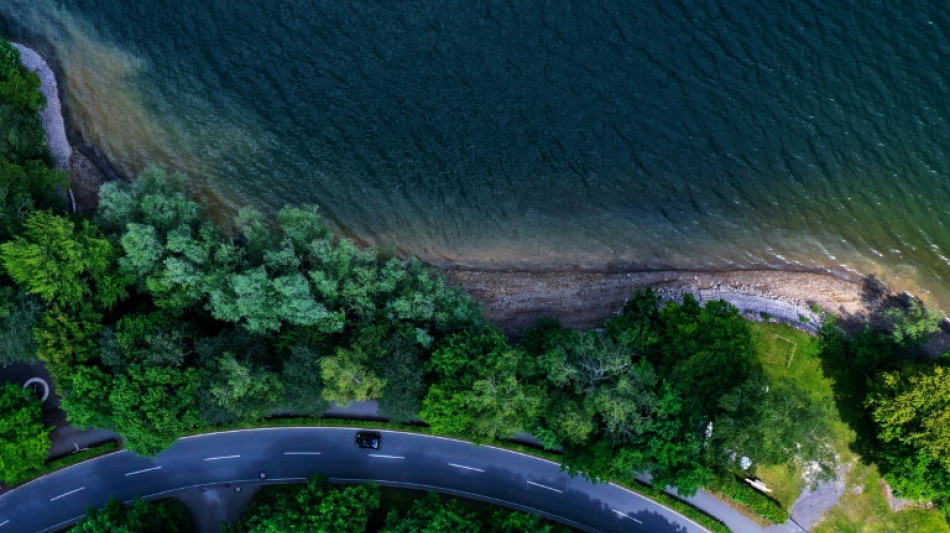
x,y
86,175
516,299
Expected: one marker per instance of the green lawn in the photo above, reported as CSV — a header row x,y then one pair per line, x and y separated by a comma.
x,y
787,353
864,509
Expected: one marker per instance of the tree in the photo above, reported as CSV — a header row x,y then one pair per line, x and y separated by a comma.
x,y
245,391
912,407
25,187
433,515
153,406
347,380
401,396
66,338
63,262
482,387
86,401
163,516
19,314
24,438
703,352
303,386
775,423
915,323
316,507
610,414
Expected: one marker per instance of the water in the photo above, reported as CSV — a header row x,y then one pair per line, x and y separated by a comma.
x,y
677,133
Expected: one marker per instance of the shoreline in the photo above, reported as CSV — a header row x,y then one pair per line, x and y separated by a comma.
x,y
88,171
515,298
52,115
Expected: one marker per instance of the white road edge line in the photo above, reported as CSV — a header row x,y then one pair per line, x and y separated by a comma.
x,y
74,491
5,522
466,467
381,456
301,453
222,457
544,487
625,515
143,471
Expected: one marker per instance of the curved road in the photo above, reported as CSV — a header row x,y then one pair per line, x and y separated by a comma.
x,y
292,454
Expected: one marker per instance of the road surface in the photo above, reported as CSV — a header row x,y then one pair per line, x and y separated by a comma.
x,y
293,454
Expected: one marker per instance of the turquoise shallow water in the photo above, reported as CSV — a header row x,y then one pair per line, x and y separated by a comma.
x,y
560,134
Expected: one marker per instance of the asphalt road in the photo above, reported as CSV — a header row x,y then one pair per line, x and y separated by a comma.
x,y
292,454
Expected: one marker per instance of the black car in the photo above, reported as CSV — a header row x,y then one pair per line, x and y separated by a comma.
x,y
368,439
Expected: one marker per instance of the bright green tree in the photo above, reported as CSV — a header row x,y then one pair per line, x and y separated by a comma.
x,y
153,406
63,262
915,323
912,407
347,380
24,438
247,392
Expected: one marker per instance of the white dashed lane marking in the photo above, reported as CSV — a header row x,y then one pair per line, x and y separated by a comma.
x,y
222,457
143,471
381,456
544,486
74,491
301,453
463,467
625,515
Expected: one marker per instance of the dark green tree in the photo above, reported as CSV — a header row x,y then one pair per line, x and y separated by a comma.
x,y
482,387
164,516
434,515
316,507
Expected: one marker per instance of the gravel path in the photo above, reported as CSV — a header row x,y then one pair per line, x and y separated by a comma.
x,y
53,114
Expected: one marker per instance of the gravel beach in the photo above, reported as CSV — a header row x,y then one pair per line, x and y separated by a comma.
x,y
516,299
53,114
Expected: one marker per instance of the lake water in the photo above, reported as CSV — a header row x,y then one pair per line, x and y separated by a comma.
x,y
675,133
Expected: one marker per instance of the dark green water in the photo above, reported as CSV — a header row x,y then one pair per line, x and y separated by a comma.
x,y
677,133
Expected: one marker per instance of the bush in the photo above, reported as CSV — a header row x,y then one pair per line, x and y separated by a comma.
x,y
743,493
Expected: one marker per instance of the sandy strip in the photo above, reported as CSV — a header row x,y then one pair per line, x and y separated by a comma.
x,y
52,116
515,299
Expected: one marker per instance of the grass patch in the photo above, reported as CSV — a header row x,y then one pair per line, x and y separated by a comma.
x,y
864,509
786,483
786,353
64,462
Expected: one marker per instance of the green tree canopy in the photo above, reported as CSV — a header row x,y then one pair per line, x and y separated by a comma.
x,y
912,407
164,516
316,507
482,387
153,406
434,515
24,438
63,262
